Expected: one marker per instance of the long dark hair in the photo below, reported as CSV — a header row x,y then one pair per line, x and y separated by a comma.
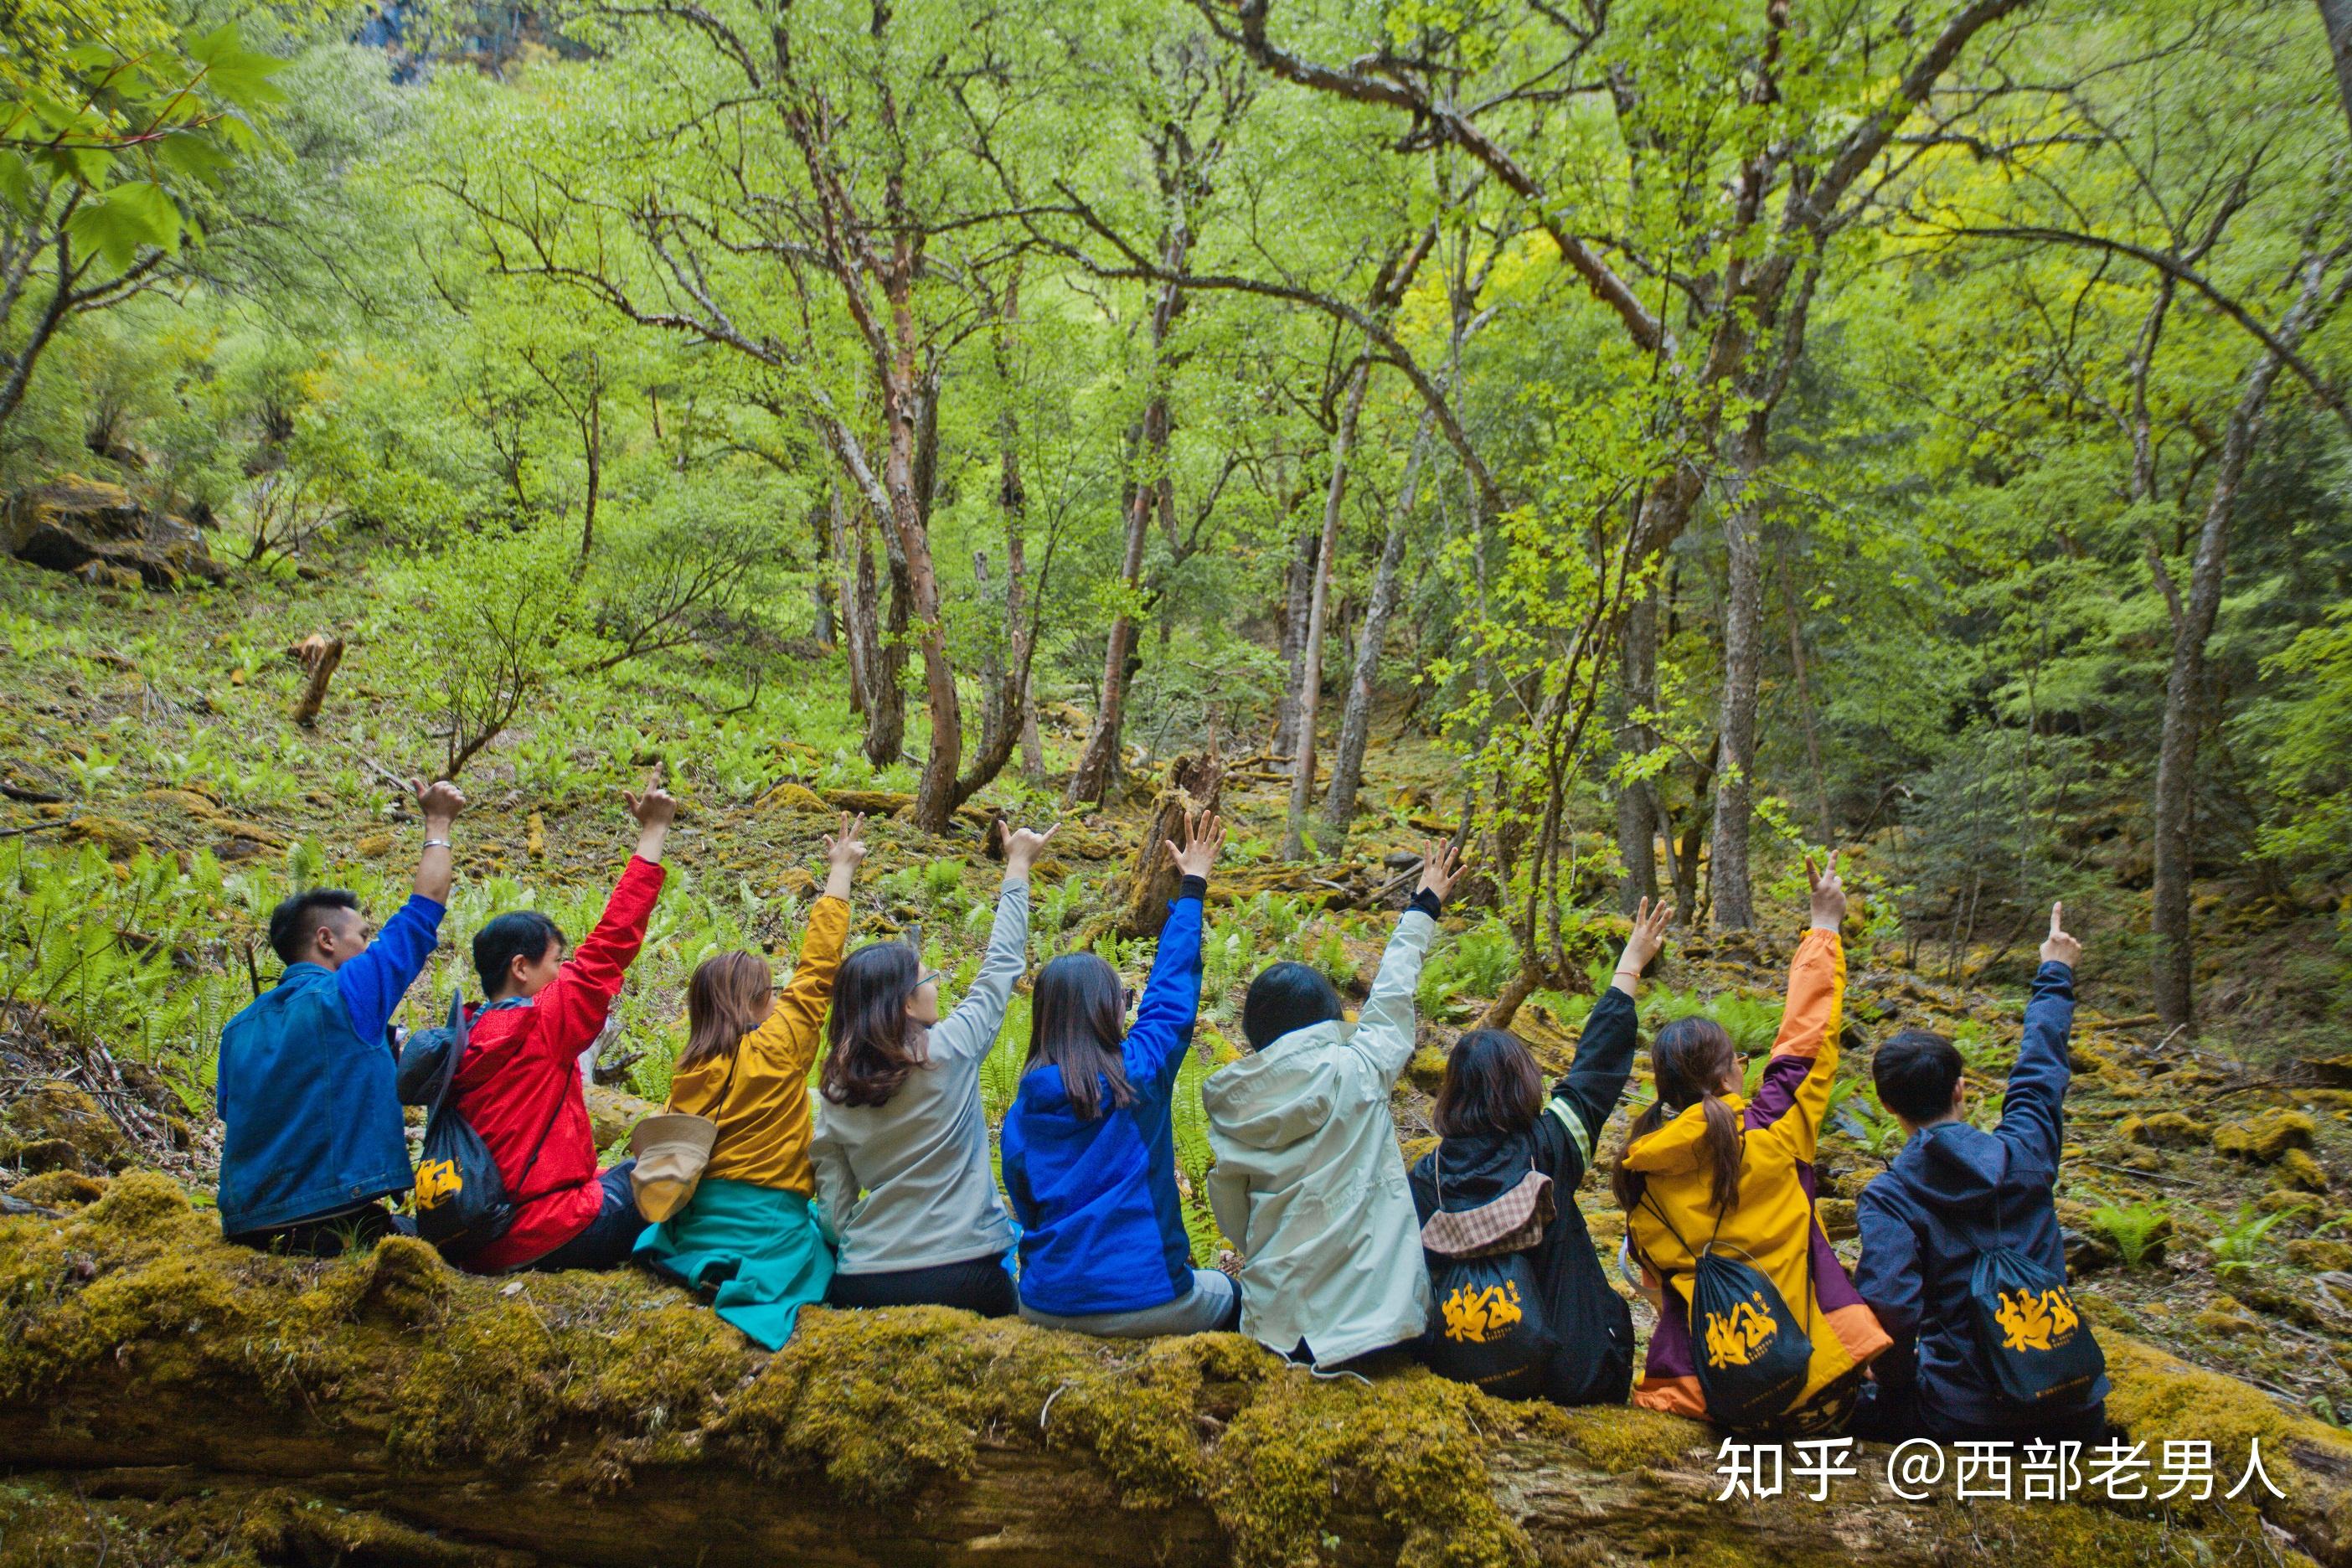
x,y
1491,1086
1077,1017
1690,1058
875,1043
722,1005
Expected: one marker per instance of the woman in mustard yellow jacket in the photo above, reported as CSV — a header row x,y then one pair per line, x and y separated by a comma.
x,y
749,1233
1707,1171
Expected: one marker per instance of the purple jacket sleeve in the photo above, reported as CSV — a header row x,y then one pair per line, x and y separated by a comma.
x,y
1171,997
375,982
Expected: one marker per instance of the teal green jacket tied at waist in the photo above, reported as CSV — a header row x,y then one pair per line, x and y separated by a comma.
x,y
759,1248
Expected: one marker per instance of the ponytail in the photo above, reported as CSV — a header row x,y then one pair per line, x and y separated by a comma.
x,y
1688,1059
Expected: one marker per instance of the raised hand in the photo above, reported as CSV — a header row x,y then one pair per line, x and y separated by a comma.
x,y
652,806
1021,846
1828,893
2059,946
843,852
438,803
1204,835
1441,868
1648,935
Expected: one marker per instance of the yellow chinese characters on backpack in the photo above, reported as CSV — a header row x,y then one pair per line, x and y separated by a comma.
x,y
2036,1321
436,1181
1738,1339
1479,1315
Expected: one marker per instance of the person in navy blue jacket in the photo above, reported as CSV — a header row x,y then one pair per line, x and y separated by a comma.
x,y
1953,1193
1089,1153
313,1137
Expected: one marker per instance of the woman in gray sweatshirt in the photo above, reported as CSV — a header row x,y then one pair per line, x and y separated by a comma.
x,y
901,1143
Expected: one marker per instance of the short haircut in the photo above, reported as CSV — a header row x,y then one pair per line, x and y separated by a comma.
x,y
517,933
1284,999
295,921
1916,1073
1491,1086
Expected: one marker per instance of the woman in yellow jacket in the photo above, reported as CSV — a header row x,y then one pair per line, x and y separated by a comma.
x,y
749,1233
1706,1170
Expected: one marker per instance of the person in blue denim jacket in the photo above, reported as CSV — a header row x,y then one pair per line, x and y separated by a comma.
x,y
314,1142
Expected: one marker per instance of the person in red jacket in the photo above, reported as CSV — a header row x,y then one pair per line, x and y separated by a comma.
x,y
520,1085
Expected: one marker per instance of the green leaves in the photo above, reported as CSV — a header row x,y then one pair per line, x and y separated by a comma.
x,y
120,223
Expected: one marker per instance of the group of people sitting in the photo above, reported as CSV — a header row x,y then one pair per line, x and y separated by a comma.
x,y
877,1189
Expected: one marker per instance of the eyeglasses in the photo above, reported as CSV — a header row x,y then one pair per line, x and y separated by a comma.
x,y
929,975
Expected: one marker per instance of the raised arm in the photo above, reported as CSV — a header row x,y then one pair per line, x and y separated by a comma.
x,y
1584,1098
1387,1029
968,1032
1811,1020
380,975
574,1005
794,1026
1171,996
2033,1111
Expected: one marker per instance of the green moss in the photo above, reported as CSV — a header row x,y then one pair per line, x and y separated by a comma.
x,y
1624,1438
42,1526
60,1189
56,1127
1410,1448
2264,1137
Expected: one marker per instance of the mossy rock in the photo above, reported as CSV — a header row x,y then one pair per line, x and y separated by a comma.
x,y
873,803
2166,1130
60,1189
2297,1172
614,1113
788,796
118,838
1426,1070
56,1127
1840,1217
2319,1256
2264,1137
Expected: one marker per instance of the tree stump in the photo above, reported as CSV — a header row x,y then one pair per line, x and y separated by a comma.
x,y
320,653
1195,783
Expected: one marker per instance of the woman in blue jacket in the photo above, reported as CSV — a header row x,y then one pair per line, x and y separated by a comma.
x,y
1089,1154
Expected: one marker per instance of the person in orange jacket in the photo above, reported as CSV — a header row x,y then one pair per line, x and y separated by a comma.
x,y
1706,1169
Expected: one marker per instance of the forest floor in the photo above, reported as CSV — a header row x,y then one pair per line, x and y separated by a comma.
x,y
158,798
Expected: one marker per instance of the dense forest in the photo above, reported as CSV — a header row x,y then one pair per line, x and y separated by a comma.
x,y
1642,441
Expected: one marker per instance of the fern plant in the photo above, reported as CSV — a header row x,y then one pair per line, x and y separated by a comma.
x,y
2236,1243
2132,1229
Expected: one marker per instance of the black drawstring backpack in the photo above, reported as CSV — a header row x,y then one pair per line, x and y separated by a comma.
x,y
1490,1328
1750,1353
461,1201
2037,1349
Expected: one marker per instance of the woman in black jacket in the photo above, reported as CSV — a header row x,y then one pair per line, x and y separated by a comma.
x,y
1496,1130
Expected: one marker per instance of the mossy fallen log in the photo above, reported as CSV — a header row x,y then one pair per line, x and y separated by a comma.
x,y
609,1420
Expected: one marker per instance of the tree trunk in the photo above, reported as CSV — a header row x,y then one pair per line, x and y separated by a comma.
x,y
1805,697
1356,721
2193,617
1298,585
320,660
873,674
592,452
1194,783
912,415
1638,819
1734,791
1310,675
608,1420
1098,764
2336,16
